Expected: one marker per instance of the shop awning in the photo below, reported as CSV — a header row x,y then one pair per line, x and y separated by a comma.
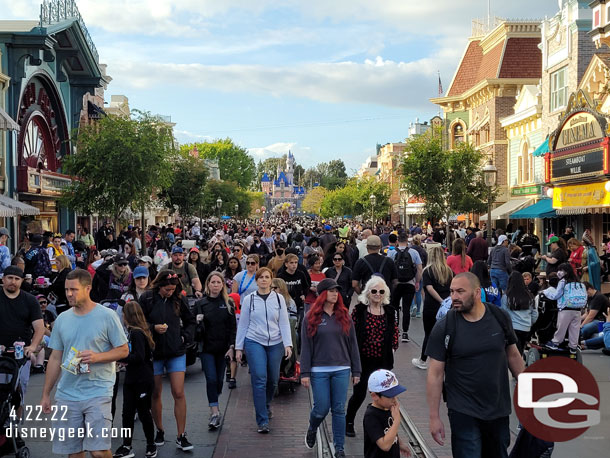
x,y
6,122
11,207
582,210
414,209
506,209
541,209
542,149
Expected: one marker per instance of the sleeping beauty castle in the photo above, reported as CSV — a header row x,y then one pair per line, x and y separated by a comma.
x,y
283,189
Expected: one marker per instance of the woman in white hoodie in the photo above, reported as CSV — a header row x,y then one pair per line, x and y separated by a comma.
x,y
520,305
264,334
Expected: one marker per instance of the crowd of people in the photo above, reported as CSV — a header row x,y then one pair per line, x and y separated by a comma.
x,y
339,299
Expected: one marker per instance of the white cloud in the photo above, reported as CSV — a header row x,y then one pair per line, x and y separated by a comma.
x,y
379,81
278,149
184,136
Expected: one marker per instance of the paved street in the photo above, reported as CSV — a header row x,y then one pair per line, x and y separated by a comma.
x,y
238,435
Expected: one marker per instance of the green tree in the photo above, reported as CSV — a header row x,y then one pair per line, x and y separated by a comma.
x,y
230,194
185,192
234,162
119,163
449,182
333,174
354,199
312,203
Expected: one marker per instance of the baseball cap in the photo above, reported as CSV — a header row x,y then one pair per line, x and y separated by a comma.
x,y
140,272
194,249
177,249
120,259
373,241
385,383
502,239
14,270
147,259
326,284
4,231
327,228
553,239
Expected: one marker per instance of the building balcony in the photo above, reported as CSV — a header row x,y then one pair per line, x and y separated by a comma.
x,y
601,22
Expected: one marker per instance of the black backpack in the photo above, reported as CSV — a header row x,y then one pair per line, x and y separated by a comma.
x,y
405,266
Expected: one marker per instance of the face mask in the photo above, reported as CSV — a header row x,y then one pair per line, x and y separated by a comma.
x,y
561,274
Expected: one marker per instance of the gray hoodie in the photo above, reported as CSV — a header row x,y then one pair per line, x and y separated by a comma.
x,y
263,320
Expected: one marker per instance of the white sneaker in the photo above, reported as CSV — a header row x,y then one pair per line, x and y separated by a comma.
x,y
419,363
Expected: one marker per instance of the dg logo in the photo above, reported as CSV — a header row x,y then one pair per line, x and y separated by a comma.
x,y
557,399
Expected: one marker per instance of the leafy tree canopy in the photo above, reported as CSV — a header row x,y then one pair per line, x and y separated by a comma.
x,y
185,192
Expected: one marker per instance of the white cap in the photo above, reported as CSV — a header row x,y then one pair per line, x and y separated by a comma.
x,y
502,239
384,382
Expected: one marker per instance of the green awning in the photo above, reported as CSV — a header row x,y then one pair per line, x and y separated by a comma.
x,y
541,209
542,149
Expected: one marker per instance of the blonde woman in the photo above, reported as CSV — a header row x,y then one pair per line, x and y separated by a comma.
x,y
437,280
377,333
215,311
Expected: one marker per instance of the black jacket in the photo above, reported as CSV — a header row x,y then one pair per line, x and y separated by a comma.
x,y
158,310
140,359
344,281
219,324
360,325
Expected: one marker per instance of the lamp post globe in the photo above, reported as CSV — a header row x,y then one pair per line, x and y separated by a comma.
x,y
373,200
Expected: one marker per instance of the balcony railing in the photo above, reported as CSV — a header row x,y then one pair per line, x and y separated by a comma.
x,y
54,11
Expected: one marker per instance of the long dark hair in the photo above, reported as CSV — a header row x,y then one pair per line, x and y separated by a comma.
x,y
134,319
570,276
479,268
518,297
165,278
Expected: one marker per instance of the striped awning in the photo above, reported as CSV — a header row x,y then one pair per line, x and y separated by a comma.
x,y
11,208
582,210
6,122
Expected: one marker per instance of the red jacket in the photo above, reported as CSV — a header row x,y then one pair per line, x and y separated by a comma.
x,y
477,249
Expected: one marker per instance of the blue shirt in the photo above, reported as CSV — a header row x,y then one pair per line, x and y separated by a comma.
x,y
100,331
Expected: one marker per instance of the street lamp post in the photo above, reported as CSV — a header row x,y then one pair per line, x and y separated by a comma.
x,y
404,200
490,174
373,199
236,210
218,206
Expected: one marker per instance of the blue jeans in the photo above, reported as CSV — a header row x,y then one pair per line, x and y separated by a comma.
x,y
417,300
264,362
500,278
589,330
475,438
329,393
214,368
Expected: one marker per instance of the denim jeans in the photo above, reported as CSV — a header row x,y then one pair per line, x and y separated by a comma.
x,y
475,438
589,330
417,300
264,362
214,368
500,278
329,393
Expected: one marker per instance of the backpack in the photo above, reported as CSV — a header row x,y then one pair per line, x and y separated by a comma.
x,y
405,266
380,272
450,327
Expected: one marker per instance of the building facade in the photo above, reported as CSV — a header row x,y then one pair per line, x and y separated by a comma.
x,y
494,68
283,189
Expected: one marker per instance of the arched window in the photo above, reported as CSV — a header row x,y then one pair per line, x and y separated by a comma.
x,y
457,134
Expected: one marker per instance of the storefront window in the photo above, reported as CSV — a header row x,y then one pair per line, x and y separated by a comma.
x,y
458,135
559,89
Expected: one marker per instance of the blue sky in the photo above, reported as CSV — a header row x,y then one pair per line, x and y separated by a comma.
x,y
327,79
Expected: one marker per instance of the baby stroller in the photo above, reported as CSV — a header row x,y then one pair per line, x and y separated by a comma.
x,y
290,369
543,331
10,400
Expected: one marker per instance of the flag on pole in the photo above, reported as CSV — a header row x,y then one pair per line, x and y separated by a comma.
x,y
440,85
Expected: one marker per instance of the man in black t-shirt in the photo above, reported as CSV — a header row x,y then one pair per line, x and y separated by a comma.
x,y
373,263
474,371
19,313
296,281
597,305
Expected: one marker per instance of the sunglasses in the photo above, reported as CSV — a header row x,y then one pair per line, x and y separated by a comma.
x,y
274,288
337,259
43,302
235,250
380,291
251,263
